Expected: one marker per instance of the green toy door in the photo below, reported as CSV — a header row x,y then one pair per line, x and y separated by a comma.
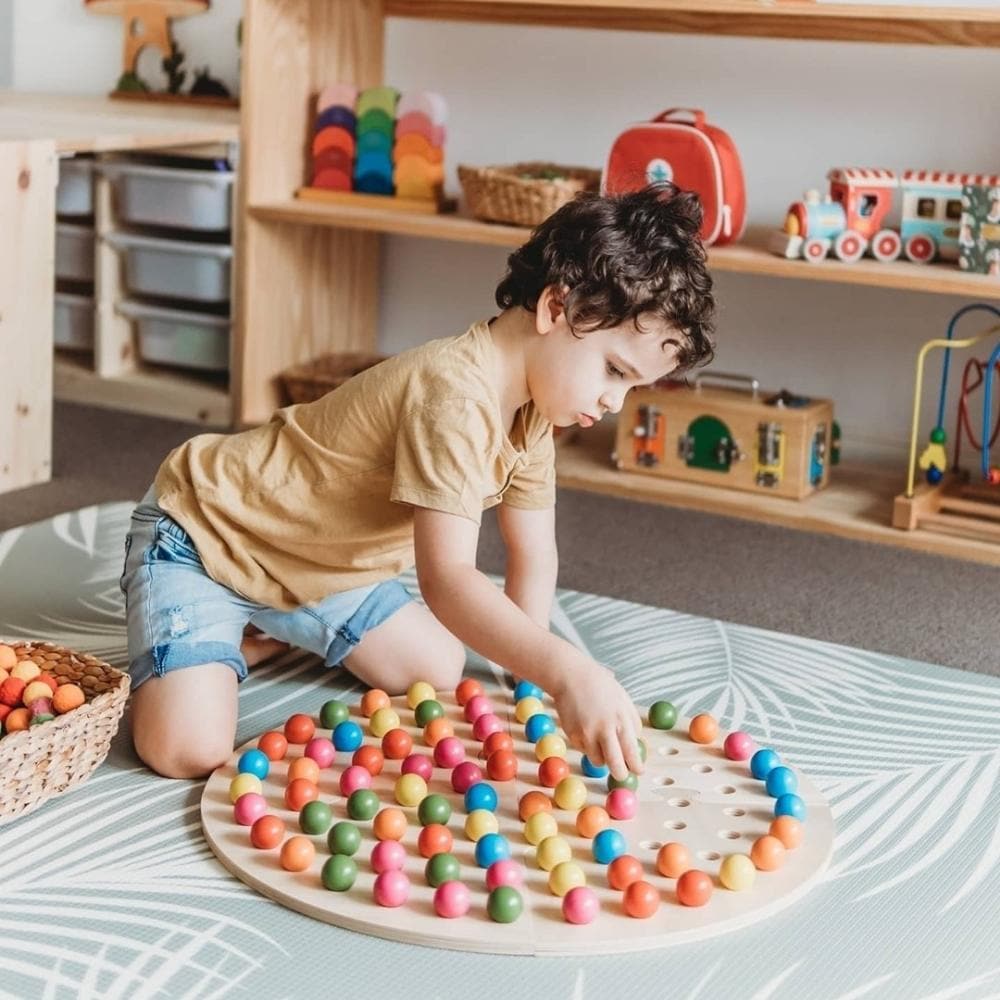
x,y
709,444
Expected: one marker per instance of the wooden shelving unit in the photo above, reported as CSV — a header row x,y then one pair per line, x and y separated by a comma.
x,y
310,271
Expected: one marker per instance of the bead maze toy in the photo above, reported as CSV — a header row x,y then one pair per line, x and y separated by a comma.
x,y
771,442
378,148
851,220
455,821
954,500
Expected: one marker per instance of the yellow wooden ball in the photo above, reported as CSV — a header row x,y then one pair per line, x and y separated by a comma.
x,y
526,708
419,691
571,793
550,745
26,670
34,691
480,822
737,872
565,876
410,789
553,851
243,783
382,720
539,826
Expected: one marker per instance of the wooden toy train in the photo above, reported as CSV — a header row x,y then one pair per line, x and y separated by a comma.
x,y
776,442
851,219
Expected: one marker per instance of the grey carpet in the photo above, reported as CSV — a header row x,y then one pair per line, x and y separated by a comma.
x,y
859,594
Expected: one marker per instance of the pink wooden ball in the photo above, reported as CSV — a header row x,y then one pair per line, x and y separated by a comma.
x,y
452,899
506,871
387,856
449,751
465,775
392,887
622,803
738,746
321,750
580,905
353,778
476,706
418,763
249,808
485,725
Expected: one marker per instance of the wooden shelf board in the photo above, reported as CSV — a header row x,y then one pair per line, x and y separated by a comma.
x,y
155,393
857,504
750,256
911,24
79,124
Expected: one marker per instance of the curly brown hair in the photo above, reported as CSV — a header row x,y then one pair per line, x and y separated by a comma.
x,y
622,257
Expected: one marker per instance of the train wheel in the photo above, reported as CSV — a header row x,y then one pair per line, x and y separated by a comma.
x,y
887,245
921,248
814,250
849,246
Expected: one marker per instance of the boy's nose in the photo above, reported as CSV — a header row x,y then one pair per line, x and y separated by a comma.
x,y
612,402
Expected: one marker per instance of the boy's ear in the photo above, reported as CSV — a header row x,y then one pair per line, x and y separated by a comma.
x,y
550,307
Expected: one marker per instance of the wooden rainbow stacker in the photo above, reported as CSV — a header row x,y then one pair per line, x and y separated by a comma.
x,y
768,442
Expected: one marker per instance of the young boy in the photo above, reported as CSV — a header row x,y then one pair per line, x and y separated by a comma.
x,y
301,527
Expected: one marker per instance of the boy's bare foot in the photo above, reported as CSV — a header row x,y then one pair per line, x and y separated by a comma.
x,y
257,647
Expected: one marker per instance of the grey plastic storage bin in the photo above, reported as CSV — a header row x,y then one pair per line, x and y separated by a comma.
x,y
73,322
74,252
75,190
165,196
178,337
174,268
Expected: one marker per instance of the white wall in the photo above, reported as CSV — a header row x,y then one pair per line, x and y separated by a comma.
x,y
794,109
6,45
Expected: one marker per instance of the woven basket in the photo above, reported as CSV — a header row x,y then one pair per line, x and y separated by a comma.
x,y
48,759
307,382
515,194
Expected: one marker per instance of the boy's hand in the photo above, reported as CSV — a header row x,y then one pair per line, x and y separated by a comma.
x,y
599,718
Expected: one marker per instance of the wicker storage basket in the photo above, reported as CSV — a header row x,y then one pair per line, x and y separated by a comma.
x,y
522,194
46,760
306,382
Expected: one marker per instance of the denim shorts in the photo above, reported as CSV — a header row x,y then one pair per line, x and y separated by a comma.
x,y
178,616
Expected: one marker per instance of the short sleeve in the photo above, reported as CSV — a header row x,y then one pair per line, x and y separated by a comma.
x,y
533,486
441,453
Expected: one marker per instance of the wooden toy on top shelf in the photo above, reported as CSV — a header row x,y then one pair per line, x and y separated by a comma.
x,y
147,23
773,442
956,501
851,220
378,148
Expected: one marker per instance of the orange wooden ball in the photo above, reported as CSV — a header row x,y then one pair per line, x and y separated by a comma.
x,y
552,770
274,745
532,802
502,765
590,820
299,728
694,888
299,792
305,768
703,729
623,871
372,701
641,899
434,839
467,688
498,741
66,698
389,824
297,854
17,720
436,730
673,859
370,758
267,832
767,853
788,830
397,744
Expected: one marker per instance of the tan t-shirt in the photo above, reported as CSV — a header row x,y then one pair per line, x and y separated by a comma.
x,y
320,499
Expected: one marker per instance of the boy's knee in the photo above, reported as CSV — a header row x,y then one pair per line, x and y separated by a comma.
x,y
181,758
441,663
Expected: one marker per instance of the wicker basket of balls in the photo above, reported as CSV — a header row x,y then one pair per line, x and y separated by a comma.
x,y
58,712
524,194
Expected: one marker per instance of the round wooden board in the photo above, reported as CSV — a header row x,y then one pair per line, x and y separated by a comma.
x,y
689,793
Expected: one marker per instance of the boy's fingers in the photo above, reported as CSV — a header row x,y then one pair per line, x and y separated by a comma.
x,y
613,754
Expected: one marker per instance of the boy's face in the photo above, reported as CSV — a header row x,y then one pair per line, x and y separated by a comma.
x,y
577,379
